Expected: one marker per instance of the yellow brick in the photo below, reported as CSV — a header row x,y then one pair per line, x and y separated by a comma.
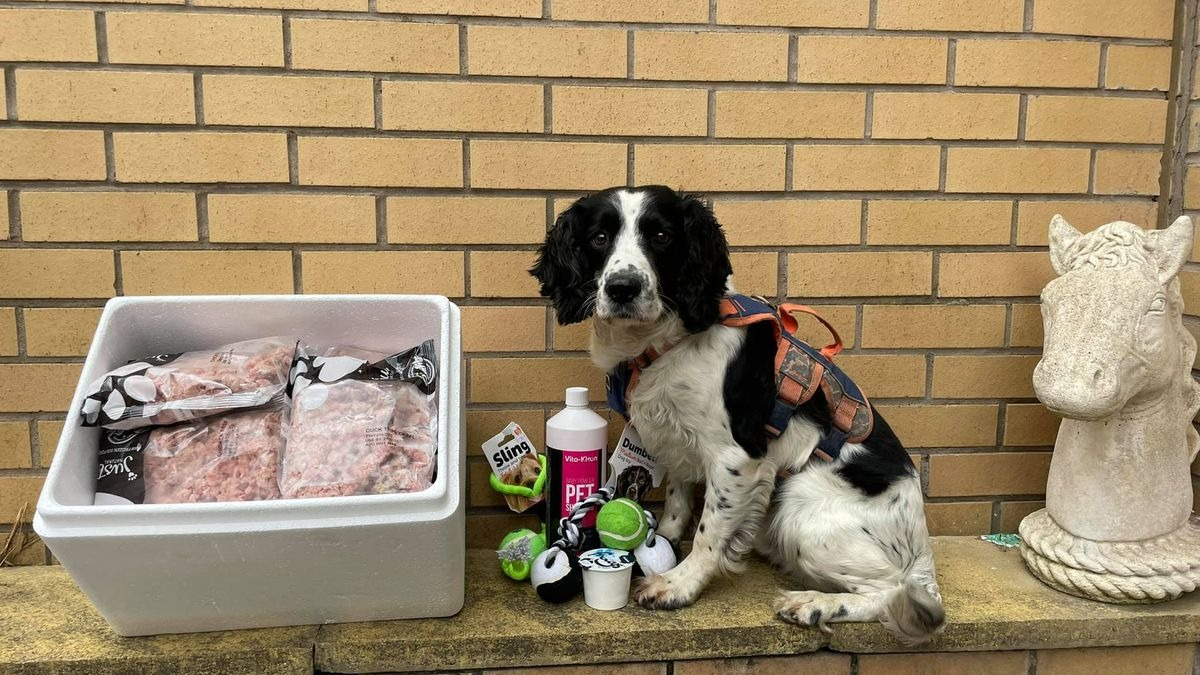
x,y
1026,63
466,220
784,222
328,5
60,331
503,274
1030,424
82,96
950,116
1147,19
532,380
998,16
925,326
983,376
883,376
48,432
503,329
545,165
1170,659
938,222
574,337
201,157
630,111
1096,119
1026,325
1128,172
483,424
746,57
479,489
942,426
1135,67
820,663
871,59
711,167
959,519
15,451
388,46
859,274
18,491
268,100
1010,473
841,317
676,11
756,273
8,331
38,387
108,216
865,167
1039,170
790,114
195,39
462,106
545,51
964,275
1191,187
1033,217
47,35
45,154
206,272
944,663
805,13
289,218
409,162
437,272
56,273
1012,513
525,8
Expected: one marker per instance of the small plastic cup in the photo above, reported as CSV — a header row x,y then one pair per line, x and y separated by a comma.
x,y
607,574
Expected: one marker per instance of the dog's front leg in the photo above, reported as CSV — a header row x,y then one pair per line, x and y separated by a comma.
x,y
677,512
732,499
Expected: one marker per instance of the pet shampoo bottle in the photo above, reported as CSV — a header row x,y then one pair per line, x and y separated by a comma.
x,y
575,442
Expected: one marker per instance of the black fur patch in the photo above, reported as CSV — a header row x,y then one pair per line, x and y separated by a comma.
x,y
885,461
750,389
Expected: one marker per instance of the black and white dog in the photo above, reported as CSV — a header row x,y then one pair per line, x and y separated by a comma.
x,y
650,266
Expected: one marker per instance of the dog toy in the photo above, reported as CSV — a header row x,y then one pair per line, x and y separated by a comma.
x,y
518,550
622,524
655,556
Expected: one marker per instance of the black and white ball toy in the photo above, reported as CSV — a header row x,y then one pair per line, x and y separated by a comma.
x,y
556,575
655,556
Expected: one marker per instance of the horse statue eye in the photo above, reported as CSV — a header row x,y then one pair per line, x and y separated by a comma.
x,y
600,240
1158,304
661,237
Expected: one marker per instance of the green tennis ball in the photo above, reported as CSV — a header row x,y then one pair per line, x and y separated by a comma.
x,y
517,551
622,524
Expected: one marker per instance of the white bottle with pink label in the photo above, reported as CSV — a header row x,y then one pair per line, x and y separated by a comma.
x,y
576,439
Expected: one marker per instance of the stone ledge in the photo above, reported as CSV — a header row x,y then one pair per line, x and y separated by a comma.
x,y
47,626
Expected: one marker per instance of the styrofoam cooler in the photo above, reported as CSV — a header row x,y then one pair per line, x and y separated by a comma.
x,y
171,568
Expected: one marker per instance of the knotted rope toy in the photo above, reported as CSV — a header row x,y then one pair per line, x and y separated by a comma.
x,y
556,575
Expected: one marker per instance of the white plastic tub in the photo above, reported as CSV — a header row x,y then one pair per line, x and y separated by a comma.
x,y
173,568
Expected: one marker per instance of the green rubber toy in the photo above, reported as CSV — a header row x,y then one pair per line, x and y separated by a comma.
x,y
517,551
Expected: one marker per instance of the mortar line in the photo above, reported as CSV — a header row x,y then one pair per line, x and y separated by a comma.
x,y
110,159
118,273
711,114
546,9
287,40
1174,162
1022,115
629,74
101,37
630,174
1027,24
466,166
793,58
789,166
377,95
1092,173
35,444
198,98
372,6
872,14
1001,423
859,319
1031,663
10,92
381,220
19,317
712,12
549,321
863,224
463,67
293,153
869,115
297,272
994,526
1013,227
549,213
928,377
13,206
1102,72
467,284
202,232
942,157
781,272
548,108
951,51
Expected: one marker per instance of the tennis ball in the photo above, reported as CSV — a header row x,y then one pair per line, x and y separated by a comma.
x,y
622,524
517,551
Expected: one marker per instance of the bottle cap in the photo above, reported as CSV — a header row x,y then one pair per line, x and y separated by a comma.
x,y
577,396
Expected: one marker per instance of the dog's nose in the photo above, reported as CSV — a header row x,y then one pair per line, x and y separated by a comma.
x,y
622,288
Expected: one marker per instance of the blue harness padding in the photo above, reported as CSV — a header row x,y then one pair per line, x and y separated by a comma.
x,y
801,370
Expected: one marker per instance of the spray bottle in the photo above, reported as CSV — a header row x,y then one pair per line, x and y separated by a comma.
x,y
575,447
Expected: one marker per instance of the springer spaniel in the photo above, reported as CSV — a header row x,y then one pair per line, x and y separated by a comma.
x,y
650,267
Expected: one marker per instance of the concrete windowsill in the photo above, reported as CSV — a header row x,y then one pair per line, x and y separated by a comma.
x,y
47,626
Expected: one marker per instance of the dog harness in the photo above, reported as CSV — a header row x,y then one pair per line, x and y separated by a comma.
x,y
800,371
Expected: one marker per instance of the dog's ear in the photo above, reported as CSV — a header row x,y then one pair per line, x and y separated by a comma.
x,y
705,269
561,268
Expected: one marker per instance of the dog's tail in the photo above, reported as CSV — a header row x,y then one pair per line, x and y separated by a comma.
x,y
912,613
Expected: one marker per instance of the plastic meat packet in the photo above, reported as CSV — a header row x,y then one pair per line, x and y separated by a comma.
x,y
361,423
171,388
231,458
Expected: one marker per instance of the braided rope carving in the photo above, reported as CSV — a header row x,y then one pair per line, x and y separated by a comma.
x,y
1154,570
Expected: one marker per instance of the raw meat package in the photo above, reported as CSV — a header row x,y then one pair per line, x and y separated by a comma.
x,y
230,458
361,423
170,388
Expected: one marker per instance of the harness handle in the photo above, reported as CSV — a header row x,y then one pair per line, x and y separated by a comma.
x,y
791,325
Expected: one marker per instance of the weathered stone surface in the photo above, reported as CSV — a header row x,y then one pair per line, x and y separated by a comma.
x,y
47,627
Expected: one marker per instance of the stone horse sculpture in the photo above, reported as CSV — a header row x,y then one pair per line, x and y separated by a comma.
x,y
1117,363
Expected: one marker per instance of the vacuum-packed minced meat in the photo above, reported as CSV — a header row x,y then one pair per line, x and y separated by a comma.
x,y
169,388
361,424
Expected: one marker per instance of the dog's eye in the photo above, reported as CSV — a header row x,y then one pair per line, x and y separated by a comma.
x,y
661,238
599,240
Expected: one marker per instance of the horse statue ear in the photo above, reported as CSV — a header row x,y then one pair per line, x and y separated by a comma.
x,y
1062,238
1172,247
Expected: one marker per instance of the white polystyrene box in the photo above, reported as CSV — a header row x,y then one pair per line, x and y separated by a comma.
x,y
172,568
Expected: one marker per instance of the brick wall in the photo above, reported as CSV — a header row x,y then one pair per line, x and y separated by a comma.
x,y
916,149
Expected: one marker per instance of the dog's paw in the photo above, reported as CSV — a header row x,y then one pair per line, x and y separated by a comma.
x,y
809,608
662,592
